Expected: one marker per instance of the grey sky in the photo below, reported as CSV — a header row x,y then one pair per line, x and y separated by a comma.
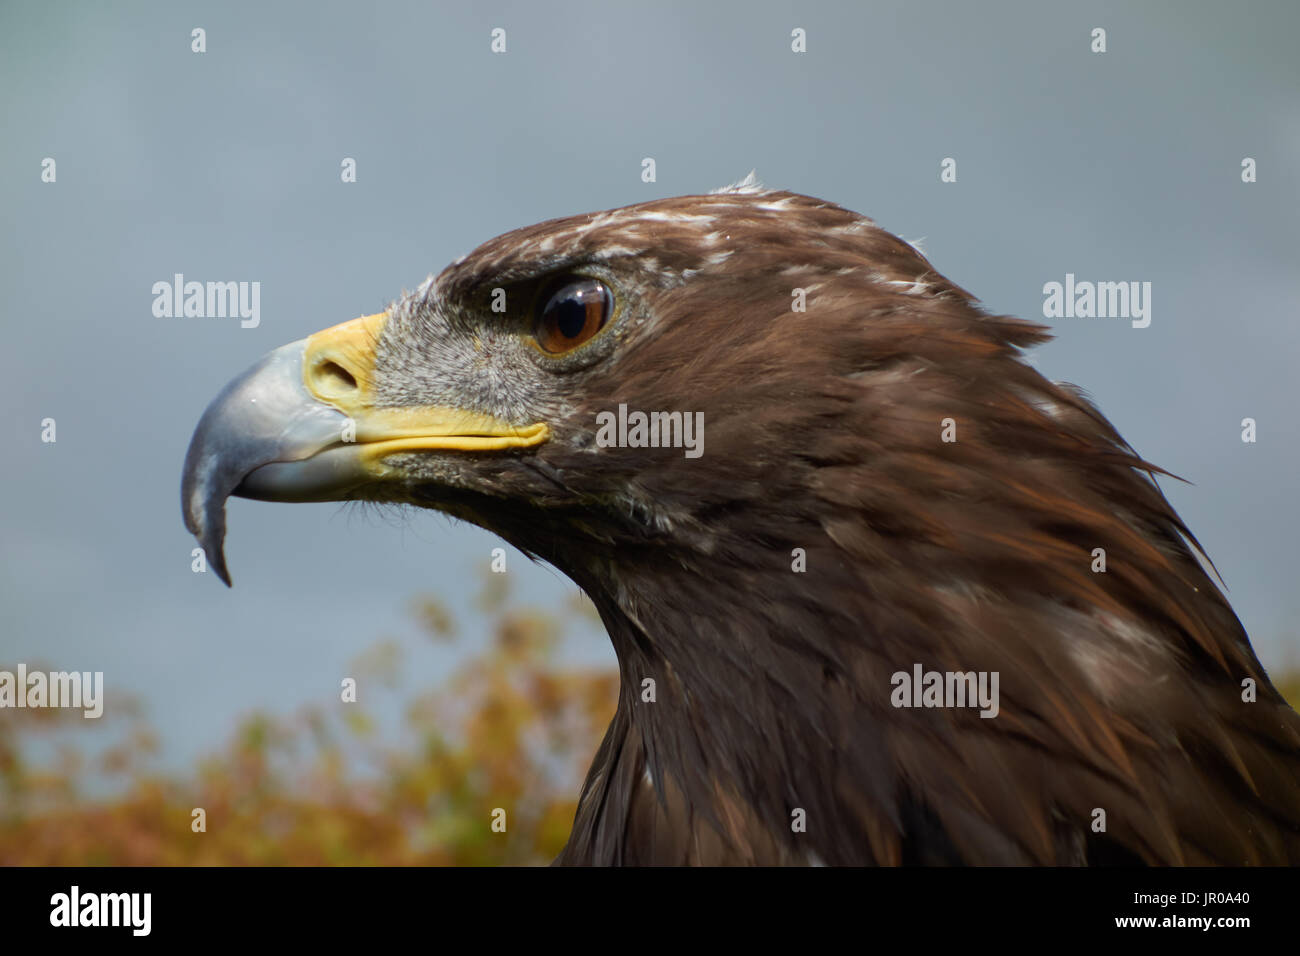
x,y
225,166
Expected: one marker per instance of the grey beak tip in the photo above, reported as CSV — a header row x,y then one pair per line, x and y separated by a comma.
x,y
205,518
223,449
263,417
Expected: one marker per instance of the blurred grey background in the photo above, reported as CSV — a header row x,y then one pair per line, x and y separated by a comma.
x,y
225,165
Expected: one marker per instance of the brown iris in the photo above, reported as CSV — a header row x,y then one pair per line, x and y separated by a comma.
x,y
572,314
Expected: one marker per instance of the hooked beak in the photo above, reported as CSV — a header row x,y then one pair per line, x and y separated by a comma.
x,y
301,425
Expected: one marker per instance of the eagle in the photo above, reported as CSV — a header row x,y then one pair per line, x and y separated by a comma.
x,y
806,480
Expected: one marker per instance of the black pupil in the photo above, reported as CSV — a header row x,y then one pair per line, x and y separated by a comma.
x,y
571,315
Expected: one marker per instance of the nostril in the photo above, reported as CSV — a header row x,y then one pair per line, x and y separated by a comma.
x,y
333,379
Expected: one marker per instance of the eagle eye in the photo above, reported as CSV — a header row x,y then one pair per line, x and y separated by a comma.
x,y
574,312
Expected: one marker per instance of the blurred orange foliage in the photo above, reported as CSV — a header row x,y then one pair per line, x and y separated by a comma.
x,y
511,729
